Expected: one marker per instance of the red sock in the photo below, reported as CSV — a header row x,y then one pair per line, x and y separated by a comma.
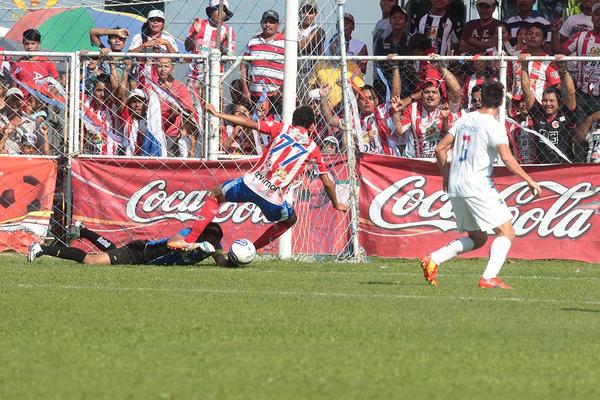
x,y
271,234
207,214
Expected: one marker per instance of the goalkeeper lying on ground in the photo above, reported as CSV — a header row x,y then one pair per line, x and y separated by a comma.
x,y
137,252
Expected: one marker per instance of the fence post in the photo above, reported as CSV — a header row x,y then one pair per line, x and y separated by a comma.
x,y
215,100
355,251
502,110
289,97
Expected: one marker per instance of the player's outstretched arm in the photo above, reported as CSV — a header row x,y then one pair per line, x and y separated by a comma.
x,y
513,166
441,155
330,190
234,119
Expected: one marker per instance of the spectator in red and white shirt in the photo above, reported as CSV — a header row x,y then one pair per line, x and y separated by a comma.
x,y
377,125
100,129
424,122
28,70
542,74
202,37
270,42
588,74
176,120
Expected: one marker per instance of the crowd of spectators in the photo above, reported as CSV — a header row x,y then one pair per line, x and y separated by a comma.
x,y
553,106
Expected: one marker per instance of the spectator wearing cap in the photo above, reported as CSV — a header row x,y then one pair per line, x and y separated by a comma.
x,y
527,15
478,33
14,124
202,37
152,39
177,121
383,27
354,47
426,121
331,145
133,123
311,42
257,74
441,28
396,43
29,69
311,36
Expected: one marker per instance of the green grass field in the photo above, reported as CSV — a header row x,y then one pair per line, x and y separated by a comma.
x,y
286,330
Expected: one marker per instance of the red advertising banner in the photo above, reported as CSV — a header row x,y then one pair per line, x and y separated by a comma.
x,y
26,195
405,213
127,199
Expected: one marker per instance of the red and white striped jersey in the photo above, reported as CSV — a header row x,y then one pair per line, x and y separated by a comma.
x,y
423,130
588,75
268,71
285,159
205,39
100,122
376,132
542,74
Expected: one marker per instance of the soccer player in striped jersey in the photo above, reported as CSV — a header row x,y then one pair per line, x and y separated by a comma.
x,y
284,160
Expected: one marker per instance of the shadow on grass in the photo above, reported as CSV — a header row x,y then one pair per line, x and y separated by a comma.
x,y
387,283
580,310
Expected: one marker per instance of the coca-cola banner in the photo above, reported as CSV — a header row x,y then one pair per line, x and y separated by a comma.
x,y
26,194
128,199
405,213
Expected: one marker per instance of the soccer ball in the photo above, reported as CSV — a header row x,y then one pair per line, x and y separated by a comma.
x,y
242,252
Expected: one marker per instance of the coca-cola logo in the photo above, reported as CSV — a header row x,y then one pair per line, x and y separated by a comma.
x,y
561,214
153,202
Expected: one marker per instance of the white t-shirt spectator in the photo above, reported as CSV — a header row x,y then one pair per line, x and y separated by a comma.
x,y
136,41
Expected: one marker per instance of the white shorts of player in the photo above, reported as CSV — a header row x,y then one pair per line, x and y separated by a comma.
x,y
479,213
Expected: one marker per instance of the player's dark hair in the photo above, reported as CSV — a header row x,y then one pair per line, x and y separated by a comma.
x,y
303,116
33,35
211,229
491,94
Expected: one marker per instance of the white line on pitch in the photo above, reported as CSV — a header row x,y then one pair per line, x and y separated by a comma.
x,y
285,293
380,271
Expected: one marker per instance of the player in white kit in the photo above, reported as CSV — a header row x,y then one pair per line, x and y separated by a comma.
x,y
475,140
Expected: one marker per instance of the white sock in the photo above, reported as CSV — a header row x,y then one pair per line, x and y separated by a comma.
x,y
498,251
452,249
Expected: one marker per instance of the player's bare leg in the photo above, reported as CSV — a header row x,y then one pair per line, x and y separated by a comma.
x,y
274,232
498,252
430,263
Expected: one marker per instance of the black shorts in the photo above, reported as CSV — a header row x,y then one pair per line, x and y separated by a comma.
x,y
133,253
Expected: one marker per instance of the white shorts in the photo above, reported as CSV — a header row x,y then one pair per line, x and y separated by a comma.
x,y
479,213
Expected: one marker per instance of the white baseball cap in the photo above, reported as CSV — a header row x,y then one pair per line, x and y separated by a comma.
x,y
136,93
14,92
156,14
